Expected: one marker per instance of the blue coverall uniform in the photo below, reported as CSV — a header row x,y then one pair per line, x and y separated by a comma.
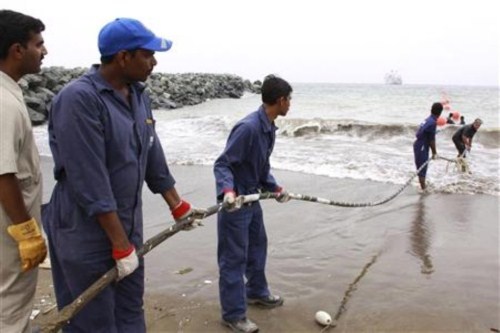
x,y
242,241
426,133
104,149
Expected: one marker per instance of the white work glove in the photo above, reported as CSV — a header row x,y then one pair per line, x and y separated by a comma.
x,y
283,195
231,202
126,261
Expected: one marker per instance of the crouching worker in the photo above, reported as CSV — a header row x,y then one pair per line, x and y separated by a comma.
x,y
463,137
463,142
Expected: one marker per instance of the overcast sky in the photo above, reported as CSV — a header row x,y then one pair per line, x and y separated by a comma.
x,y
349,41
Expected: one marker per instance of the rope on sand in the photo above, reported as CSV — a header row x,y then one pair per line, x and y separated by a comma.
x,y
348,293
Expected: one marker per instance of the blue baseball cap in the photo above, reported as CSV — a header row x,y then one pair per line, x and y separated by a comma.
x,y
129,34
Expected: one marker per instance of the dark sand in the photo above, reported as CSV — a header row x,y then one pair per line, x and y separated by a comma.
x,y
419,263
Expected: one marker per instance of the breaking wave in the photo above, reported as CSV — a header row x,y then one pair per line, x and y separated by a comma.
x,y
490,138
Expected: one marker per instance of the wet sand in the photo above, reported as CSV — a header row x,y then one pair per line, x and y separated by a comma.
x,y
419,263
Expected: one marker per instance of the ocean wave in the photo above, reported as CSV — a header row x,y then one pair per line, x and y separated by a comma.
x,y
488,137
297,127
333,148
469,186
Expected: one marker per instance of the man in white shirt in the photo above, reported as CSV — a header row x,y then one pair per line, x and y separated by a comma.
x,y
22,246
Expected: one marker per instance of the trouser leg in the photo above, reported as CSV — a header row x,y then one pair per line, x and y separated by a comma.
x,y
256,286
232,253
116,309
421,156
17,288
460,146
129,303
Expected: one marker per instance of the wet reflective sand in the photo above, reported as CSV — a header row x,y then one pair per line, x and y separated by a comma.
x,y
420,263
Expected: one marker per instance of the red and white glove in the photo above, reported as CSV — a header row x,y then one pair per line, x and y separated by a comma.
x,y
126,261
283,195
183,210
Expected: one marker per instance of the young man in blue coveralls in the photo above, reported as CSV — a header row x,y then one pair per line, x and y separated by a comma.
x,y
243,168
426,138
104,144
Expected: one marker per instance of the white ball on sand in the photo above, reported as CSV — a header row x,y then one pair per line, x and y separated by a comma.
x,y
323,318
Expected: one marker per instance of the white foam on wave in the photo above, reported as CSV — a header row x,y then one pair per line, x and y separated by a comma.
x,y
381,160
193,140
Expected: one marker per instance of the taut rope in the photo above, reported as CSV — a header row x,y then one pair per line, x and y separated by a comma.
x,y
304,197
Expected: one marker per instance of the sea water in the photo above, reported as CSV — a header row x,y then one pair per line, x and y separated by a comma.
x,y
355,131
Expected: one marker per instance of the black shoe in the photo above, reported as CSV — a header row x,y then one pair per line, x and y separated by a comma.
x,y
244,325
270,301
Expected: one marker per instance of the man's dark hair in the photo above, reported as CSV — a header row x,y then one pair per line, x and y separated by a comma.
x,y
16,28
273,88
436,109
108,59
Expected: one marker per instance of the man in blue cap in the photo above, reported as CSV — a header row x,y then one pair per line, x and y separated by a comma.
x,y
244,168
104,144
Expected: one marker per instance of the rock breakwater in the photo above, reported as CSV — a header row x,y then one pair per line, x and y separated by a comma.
x,y
167,91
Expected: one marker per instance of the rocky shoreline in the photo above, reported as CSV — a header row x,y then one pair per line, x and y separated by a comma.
x,y
167,91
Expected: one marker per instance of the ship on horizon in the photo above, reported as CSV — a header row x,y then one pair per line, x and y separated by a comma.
x,y
393,78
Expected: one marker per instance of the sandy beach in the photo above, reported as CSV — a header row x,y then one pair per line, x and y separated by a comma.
x,y
419,263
